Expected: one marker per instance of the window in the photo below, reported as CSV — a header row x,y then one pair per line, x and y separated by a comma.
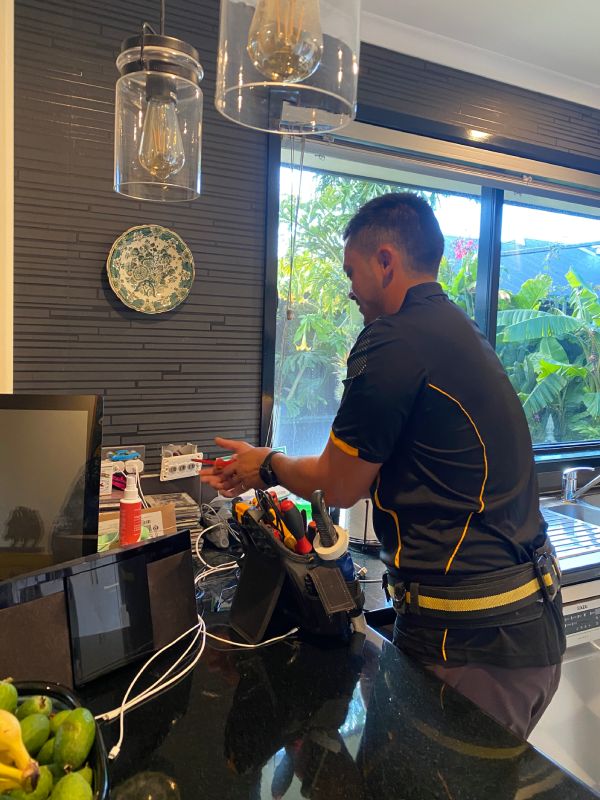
x,y
547,326
317,324
548,335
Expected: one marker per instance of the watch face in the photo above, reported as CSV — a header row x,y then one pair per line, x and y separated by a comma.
x,y
266,473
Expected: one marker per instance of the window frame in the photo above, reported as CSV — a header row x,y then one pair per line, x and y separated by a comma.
x,y
493,172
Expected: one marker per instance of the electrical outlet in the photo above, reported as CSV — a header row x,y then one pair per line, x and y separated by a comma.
x,y
183,466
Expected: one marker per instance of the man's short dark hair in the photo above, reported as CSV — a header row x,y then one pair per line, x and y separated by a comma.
x,y
404,219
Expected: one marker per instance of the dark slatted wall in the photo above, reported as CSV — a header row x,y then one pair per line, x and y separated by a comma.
x,y
186,374
194,371
417,96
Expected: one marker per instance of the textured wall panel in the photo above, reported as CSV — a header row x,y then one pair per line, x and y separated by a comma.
x,y
196,370
192,372
421,97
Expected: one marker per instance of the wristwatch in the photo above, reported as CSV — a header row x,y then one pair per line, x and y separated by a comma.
x,y
266,471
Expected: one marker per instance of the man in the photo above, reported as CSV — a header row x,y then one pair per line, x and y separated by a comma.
x,y
430,426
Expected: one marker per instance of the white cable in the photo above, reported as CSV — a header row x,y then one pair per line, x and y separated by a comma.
x,y
114,752
210,568
108,716
139,485
116,712
202,532
158,686
253,646
159,682
230,565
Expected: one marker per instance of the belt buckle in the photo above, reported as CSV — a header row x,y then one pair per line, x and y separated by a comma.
x,y
542,564
399,597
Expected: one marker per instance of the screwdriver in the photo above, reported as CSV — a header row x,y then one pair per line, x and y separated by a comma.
x,y
288,539
293,519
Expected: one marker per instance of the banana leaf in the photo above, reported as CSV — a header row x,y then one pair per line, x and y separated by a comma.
x,y
591,401
522,324
545,394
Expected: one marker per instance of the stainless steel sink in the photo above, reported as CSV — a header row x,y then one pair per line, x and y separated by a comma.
x,y
582,510
574,529
591,499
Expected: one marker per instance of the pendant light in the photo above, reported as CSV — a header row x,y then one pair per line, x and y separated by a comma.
x,y
288,66
158,117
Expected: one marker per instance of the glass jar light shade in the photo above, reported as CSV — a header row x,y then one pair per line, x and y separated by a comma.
x,y
158,120
288,66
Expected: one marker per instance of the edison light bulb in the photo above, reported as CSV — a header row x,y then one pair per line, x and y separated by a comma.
x,y
161,150
285,41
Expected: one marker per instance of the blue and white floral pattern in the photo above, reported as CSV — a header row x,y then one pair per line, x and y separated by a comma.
x,y
151,269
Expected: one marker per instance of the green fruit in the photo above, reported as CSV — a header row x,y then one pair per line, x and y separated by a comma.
x,y
57,719
38,704
42,790
46,754
74,739
87,774
35,730
8,696
57,772
72,787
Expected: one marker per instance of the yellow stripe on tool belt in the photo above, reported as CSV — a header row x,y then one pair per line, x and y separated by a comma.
x,y
490,595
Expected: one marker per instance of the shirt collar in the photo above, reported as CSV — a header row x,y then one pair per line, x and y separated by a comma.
x,y
422,291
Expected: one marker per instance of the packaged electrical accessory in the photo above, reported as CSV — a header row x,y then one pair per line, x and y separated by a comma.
x,y
179,461
278,588
112,466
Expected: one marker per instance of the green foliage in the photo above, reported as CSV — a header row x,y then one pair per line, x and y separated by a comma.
x,y
548,344
325,322
548,337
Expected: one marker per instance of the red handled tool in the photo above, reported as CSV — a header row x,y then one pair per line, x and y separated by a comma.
x,y
218,463
293,519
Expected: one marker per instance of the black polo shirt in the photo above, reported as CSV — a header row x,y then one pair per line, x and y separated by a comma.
x,y
427,398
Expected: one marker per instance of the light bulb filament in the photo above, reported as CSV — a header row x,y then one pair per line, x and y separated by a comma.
x,y
161,151
285,41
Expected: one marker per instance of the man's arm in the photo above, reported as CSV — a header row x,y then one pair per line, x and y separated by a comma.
x,y
344,478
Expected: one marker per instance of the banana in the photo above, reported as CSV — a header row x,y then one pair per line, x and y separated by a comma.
x,y
13,751
10,777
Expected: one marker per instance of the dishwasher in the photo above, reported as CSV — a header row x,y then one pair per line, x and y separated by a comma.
x,y
569,729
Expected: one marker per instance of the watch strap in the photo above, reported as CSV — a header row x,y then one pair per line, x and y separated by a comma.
x,y
266,471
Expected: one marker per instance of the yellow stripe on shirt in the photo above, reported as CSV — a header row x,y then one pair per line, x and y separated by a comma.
x,y
345,448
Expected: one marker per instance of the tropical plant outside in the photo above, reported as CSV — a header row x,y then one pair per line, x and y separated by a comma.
x,y
547,337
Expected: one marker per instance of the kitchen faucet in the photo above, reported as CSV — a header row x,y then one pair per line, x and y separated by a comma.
x,y
570,492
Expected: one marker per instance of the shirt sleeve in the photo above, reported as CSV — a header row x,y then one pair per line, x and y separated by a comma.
x,y
383,381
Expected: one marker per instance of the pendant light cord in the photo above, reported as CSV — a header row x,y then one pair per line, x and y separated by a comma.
x,y
294,213
148,28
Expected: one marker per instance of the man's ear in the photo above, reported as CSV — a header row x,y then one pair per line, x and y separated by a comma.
x,y
385,259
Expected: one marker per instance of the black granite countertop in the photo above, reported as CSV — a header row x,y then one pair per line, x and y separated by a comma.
x,y
298,720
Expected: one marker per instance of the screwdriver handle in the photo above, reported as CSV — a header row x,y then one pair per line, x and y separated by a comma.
x,y
292,518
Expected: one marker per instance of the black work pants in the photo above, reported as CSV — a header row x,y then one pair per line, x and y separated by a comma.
x,y
516,698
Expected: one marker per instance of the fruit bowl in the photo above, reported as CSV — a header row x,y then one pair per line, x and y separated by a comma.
x,y
63,698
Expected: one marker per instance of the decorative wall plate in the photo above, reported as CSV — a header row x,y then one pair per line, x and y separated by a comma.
x,y
150,269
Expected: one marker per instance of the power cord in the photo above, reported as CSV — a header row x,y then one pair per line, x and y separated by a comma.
x,y
159,685
243,645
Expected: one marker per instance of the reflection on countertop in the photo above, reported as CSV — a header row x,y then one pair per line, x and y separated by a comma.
x,y
298,720
570,728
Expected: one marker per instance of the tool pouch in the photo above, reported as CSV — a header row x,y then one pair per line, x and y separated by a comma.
x,y
279,589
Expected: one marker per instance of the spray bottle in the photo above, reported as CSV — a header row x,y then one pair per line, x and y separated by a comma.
x,y
130,512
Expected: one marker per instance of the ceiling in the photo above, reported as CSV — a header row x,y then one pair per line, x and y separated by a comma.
x,y
549,46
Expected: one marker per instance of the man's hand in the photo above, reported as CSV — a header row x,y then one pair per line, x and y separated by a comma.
x,y
240,473
343,478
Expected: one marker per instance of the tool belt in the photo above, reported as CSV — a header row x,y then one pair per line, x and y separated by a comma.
x,y
486,600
